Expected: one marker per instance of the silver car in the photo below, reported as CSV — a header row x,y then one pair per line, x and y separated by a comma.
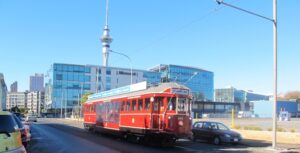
x,y
31,119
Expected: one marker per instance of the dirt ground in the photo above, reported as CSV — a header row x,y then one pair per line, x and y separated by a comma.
x,y
291,128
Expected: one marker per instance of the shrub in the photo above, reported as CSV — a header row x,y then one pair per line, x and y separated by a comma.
x,y
237,127
280,129
270,129
293,130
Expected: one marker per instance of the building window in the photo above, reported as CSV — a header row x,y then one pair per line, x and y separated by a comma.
x,y
87,70
108,72
87,78
59,77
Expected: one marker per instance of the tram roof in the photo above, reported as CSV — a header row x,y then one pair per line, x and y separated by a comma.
x,y
161,88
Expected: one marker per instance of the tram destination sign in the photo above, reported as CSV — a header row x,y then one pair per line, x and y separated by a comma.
x,y
180,91
118,91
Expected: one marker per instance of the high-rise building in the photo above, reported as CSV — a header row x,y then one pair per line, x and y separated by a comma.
x,y
201,82
18,99
3,92
68,82
231,94
14,87
36,82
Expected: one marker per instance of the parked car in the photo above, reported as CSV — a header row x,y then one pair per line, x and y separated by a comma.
x,y
31,118
20,116
214,132
25,133
10,136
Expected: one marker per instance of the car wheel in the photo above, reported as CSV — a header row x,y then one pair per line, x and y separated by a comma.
x,y
216,141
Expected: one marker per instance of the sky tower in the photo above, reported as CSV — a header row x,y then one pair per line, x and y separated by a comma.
x,y
106,39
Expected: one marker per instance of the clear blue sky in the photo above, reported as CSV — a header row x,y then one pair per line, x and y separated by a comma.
x,y
236,46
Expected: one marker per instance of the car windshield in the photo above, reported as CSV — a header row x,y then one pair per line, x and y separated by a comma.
x,y
8,124
222,126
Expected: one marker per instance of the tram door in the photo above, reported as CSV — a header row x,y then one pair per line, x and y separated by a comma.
x,y
156,111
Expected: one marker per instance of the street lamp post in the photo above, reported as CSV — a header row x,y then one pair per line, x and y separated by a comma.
x,y
274,21
129,61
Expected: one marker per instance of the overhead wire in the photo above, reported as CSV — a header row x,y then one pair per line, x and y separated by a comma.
x,y
209,13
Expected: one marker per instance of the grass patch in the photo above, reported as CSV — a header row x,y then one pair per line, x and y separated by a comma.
x,y
280,129
254,128
237,127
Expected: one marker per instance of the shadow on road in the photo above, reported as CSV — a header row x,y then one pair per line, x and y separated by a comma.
x,y
123,146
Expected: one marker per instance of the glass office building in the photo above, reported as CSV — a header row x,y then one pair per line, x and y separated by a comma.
x,y
231,94
201,82
67,82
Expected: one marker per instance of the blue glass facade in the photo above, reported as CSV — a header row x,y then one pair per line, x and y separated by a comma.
x,y
67,82
201,82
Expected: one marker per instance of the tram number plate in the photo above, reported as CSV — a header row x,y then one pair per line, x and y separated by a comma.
x,y
235,139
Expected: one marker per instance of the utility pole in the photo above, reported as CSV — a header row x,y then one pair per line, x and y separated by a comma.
x,y
274,21
275,73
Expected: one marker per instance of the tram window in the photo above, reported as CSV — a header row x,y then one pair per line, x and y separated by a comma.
x,y
161,103
172,103
111,107
90,110
155,105
127,106
117,107
158,101
140,104
93,108
147,103
122,105
133,105
182,104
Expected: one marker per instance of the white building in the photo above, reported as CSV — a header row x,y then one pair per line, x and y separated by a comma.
x,y
16,99
35,102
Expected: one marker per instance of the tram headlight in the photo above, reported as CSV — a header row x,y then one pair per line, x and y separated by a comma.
x,y
169,117
180,123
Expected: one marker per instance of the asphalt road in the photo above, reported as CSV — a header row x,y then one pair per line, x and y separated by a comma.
x,y
60,136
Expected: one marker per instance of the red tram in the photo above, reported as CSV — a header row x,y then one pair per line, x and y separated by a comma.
x,y
160,113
